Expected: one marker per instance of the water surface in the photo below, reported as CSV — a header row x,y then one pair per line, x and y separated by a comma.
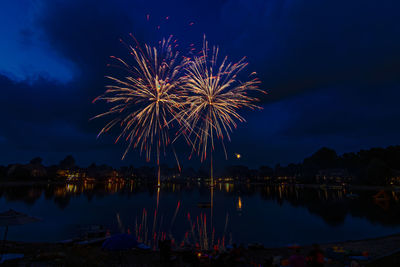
x,y
271,215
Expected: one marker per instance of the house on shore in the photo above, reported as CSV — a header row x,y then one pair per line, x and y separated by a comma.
x,y
333,176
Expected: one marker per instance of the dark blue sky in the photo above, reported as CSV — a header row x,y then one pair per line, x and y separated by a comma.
x,y
331,69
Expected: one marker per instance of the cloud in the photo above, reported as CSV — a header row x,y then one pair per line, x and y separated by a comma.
x,y
295,47
315,44
24,55
346,118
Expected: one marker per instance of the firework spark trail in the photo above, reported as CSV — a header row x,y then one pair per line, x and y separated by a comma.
x,y
176,213
154,220
159,227
226,223
136,228
200,235
120,225
192,227
145,101
214,95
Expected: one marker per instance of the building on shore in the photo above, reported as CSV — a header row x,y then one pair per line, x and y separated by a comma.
x,y
333,176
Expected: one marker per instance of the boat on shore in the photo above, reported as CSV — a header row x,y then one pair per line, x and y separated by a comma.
x,y
88,235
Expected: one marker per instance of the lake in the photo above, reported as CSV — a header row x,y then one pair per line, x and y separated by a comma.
x,y
271,215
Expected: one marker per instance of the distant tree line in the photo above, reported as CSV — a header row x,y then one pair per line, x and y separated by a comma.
x,y
376,166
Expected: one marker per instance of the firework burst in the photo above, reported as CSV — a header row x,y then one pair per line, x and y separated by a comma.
x,y
145,101
214,96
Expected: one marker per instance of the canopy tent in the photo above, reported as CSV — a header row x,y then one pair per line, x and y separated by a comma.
x,y
11,218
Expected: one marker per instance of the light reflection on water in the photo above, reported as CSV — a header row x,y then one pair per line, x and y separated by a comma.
x,y
271,215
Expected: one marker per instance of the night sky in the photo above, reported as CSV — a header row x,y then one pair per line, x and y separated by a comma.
x,y
331,69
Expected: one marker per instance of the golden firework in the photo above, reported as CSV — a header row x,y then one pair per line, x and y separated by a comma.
x,y
145,100
214,96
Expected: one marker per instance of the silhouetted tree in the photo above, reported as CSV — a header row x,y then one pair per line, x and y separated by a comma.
x,y
19,172
188,173
378,172
3,171
265,171
52,171
325,158
238,172
36,161
67,163
127,171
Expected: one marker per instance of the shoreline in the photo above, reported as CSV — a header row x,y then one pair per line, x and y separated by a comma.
x,y
327,186
378,248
